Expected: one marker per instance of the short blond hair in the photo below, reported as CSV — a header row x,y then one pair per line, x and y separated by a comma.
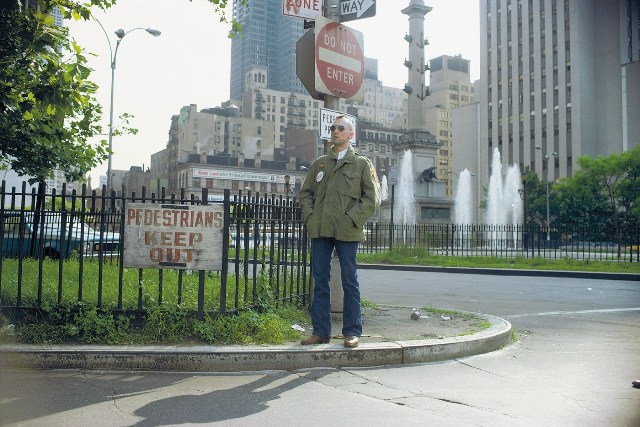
x,y
346,119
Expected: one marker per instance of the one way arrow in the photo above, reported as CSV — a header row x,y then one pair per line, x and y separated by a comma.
x,y
359,7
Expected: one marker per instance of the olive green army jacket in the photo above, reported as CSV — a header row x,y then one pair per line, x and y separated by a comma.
x,y
339,196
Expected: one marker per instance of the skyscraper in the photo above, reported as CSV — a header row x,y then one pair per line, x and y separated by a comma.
x,y
558,78
268,40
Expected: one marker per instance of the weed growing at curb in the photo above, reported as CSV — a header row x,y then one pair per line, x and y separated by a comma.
x,y
166,324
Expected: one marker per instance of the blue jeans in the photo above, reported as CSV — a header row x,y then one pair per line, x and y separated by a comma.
x,y
321,254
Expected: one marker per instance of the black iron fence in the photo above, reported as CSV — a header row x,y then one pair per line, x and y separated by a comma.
x,y
68,246
588,243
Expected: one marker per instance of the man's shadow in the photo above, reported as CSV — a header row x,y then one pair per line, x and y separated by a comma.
x,y
219,405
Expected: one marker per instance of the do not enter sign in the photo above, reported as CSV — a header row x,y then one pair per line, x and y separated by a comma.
x,y
339,60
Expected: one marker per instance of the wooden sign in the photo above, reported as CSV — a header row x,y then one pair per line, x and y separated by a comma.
x,y
173,236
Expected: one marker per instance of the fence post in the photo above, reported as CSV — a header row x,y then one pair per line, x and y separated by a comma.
x,y
225,249
201,273
393,192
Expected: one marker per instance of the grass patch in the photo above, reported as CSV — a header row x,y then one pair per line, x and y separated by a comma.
x,y
61,319
365,303
476,323
419,256
83,324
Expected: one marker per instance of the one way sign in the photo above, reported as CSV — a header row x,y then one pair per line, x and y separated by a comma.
x,y
356,9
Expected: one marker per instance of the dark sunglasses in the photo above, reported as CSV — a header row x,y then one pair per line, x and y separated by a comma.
x,y
339,127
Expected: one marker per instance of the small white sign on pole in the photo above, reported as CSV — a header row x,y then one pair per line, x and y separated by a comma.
x,y
327,117
306,9
393,175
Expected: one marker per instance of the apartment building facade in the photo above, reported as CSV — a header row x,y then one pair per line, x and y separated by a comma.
x,y
450,87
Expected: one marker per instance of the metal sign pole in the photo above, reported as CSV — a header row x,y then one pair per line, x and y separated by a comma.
x,y
333,102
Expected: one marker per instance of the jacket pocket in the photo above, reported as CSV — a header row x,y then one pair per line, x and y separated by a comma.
x,y
351,184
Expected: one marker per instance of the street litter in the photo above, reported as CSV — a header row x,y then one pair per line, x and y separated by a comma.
x,y
443,317
297,327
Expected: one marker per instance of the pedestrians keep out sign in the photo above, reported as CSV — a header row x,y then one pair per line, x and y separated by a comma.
x,y
173,236
356,9
327,117
339,58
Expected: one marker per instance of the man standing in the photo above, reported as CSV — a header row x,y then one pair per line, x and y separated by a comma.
x,y
339,195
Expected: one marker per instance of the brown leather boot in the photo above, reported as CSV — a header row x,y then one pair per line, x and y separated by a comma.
x,y
315,339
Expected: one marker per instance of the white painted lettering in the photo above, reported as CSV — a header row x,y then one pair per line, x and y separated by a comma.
x,y
329,40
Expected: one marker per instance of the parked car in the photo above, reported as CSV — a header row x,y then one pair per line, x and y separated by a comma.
x,y
61,235
607,245
579,245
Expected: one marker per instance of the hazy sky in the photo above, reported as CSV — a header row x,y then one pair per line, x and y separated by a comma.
x,y
189,62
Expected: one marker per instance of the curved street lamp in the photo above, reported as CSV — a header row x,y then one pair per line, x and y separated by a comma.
x,y
112,56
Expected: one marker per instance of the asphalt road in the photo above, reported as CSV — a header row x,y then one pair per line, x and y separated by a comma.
x,y
577,353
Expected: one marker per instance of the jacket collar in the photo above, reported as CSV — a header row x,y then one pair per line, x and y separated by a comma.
x,y
349,157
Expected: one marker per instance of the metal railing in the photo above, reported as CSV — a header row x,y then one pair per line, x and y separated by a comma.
x,y
67,247
588,243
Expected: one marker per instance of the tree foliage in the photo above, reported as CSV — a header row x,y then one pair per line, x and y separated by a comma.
x,y
48,108
604,192
47,104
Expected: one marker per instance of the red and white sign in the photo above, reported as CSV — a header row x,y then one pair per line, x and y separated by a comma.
x,y
339,60
241,176
307,9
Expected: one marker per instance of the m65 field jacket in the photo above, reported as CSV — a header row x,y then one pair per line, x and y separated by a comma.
x,y
339,196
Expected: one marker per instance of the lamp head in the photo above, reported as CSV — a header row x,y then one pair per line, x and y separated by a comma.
x,y
153,32
120,33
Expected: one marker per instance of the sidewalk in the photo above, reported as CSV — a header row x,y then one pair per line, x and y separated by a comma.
x,y
390,337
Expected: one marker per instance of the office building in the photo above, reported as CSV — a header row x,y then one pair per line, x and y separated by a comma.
x,y
268,40
560,80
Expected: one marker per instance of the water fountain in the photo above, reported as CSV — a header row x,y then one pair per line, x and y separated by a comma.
x,y
504,205
463,203
405,200
384,188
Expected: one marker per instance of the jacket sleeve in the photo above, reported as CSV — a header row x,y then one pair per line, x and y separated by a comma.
x,y
370,196
307,194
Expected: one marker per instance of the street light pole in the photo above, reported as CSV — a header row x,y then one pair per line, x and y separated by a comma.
x,y
112,56
523,194
546,157
548,237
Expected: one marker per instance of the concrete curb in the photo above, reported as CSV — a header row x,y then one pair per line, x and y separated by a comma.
x,y
504,271
255,358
